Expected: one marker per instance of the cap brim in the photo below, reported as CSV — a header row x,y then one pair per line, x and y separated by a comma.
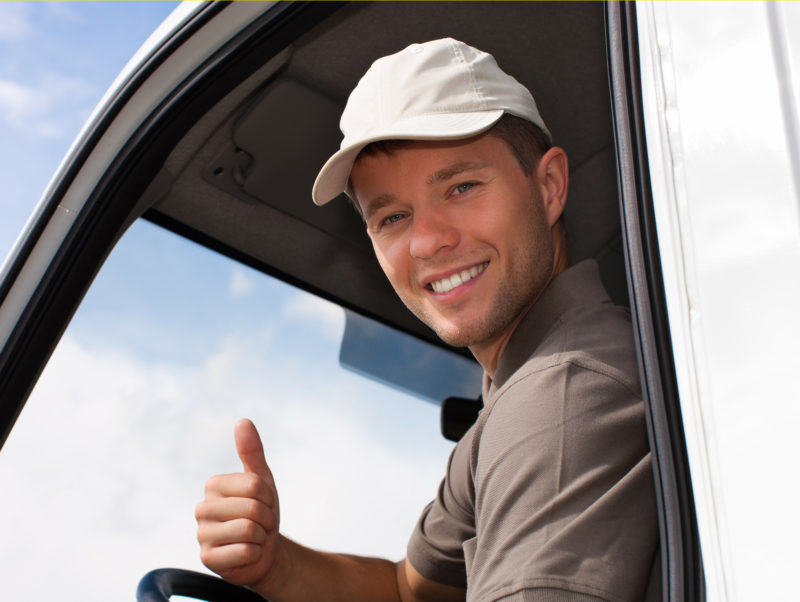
x,y
332,178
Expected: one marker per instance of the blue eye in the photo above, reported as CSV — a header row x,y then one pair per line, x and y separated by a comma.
x,y
393,218
465,187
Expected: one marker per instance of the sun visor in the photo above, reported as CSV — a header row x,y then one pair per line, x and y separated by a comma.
x,y
287,134
407,363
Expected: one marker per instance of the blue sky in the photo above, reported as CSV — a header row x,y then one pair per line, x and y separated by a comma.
x,y
172,344
56,61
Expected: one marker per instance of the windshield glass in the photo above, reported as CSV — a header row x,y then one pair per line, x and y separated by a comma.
x,y
136,408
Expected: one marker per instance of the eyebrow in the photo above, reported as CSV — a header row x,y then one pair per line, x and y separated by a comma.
x,y
453,170
377,204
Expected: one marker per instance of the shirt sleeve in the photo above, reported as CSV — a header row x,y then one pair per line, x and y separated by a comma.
x,y
564,499
435,548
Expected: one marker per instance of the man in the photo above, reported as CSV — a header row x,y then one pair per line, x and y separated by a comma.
x,y
549,496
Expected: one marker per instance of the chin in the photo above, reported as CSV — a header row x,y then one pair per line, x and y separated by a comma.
x,y
466,332
463,336
481,327
455,335
455,338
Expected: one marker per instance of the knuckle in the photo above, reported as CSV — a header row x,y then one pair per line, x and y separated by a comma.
x,y
252,486
253,509
212,484
200,511
250,553
249,530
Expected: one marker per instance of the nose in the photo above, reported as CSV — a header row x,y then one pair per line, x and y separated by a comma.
x,y
431,232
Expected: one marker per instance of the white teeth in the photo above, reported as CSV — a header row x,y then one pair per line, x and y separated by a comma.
x,y
448,284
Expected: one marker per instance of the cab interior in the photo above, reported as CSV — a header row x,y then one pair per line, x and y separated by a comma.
x,y
239,180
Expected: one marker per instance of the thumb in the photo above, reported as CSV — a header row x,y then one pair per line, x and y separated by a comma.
x,y
250,450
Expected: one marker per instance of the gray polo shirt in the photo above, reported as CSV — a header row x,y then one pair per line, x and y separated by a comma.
x,y
549,496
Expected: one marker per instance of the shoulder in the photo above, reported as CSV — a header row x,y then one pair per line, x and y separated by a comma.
x,y
586,358
571,404
579,389
598,337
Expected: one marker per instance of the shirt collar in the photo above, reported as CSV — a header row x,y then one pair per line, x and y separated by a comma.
x,y
576,286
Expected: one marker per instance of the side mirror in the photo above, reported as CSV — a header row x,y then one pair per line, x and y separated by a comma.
x,y
458,414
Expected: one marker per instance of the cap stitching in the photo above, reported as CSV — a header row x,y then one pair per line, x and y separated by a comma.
x,y
475,88
381,108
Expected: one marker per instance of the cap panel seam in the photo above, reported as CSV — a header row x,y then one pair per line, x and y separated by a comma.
x,y
381,104
471,74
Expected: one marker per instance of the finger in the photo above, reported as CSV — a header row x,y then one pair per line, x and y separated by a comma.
x,y
230,556
239,530
240,484
250,450
231,508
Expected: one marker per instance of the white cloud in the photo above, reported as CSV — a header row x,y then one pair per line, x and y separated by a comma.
x,y
18,101
324,315
15,21
62,10
110,455
17,18
53,107
241,284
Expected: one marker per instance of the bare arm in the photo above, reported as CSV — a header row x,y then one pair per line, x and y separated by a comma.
x,y
413,587
239,535
318,575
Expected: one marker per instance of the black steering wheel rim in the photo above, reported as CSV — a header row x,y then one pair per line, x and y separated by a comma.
x,y
158,585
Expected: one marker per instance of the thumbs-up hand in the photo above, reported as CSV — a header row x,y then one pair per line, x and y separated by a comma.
x,y
237,522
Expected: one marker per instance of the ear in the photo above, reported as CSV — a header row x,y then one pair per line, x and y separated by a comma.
x,y
552,177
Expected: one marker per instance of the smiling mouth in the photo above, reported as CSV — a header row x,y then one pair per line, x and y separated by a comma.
x,y
445,285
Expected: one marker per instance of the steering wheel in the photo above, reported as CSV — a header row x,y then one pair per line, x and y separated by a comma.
x,y
160,584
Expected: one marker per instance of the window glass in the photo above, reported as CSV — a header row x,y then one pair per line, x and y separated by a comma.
x,y
136,408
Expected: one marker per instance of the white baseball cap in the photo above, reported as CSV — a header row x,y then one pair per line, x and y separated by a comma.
x,y
439,90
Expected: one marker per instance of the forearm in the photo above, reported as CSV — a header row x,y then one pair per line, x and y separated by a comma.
x,y
302,574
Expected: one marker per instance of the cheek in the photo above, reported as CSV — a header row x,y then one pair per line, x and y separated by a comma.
x,y
499,214
493,228
390,260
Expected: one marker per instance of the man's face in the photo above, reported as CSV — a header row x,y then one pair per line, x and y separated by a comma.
x,y
460,231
